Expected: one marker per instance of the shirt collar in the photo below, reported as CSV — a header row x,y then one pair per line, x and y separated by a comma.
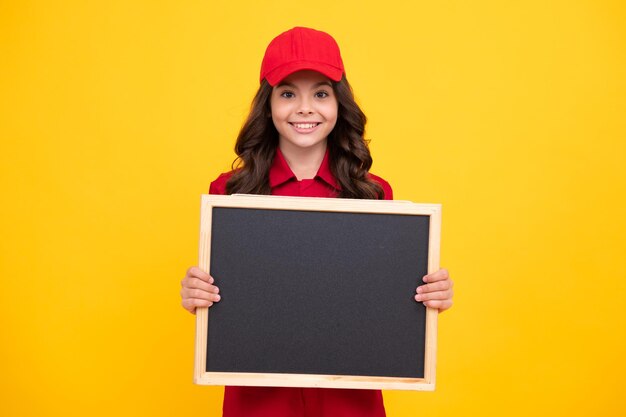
x,y
281,173
325,174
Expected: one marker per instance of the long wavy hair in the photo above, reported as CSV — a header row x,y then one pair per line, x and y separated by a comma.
x,y
349,155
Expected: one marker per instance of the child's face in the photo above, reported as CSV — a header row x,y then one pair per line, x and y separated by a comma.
x,y
304,110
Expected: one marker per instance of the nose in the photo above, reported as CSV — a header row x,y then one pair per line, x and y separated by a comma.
x,y
304,106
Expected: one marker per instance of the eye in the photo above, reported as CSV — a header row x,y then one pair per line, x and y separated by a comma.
x,y
321,94
287,94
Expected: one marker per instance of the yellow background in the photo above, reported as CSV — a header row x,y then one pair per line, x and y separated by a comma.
x,y
116,115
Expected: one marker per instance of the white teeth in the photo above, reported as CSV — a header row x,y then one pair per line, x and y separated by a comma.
x,y
305,125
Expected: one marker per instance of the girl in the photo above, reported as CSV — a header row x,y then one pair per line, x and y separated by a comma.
x,y
303,137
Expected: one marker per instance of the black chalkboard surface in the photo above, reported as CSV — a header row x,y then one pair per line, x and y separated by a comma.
x,y
317,292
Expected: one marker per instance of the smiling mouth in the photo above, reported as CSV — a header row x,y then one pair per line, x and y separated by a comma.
x,y
304,125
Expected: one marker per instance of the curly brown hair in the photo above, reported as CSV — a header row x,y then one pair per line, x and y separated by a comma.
x,y
349,155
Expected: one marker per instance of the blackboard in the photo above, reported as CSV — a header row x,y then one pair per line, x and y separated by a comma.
x,y
317,292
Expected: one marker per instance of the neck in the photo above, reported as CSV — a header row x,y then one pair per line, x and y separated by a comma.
x,y
303,162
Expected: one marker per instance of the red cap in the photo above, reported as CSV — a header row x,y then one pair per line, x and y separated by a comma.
x,y
301,49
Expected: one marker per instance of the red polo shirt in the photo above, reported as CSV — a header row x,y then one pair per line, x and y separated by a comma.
x,y
300,402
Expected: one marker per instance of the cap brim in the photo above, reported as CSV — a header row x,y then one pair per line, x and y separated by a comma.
x,y
280,73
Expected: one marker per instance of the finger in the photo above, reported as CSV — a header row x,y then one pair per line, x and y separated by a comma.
x,y
441,305
435,286
196,272
440,275
190,304
191,283
195,293
436,295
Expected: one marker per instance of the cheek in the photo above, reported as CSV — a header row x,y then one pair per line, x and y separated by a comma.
x,y
279,118
331,114
279,112
274,107
332,108
274,117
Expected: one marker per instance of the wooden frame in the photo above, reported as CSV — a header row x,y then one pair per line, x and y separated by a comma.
x,y
202,377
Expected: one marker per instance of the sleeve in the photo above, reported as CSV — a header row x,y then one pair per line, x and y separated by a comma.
x,y
219,185
386,187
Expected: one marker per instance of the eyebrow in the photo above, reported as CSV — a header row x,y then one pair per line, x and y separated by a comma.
x,y
326,83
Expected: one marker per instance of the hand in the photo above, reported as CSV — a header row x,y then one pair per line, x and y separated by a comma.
x,y
437,292
198,290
